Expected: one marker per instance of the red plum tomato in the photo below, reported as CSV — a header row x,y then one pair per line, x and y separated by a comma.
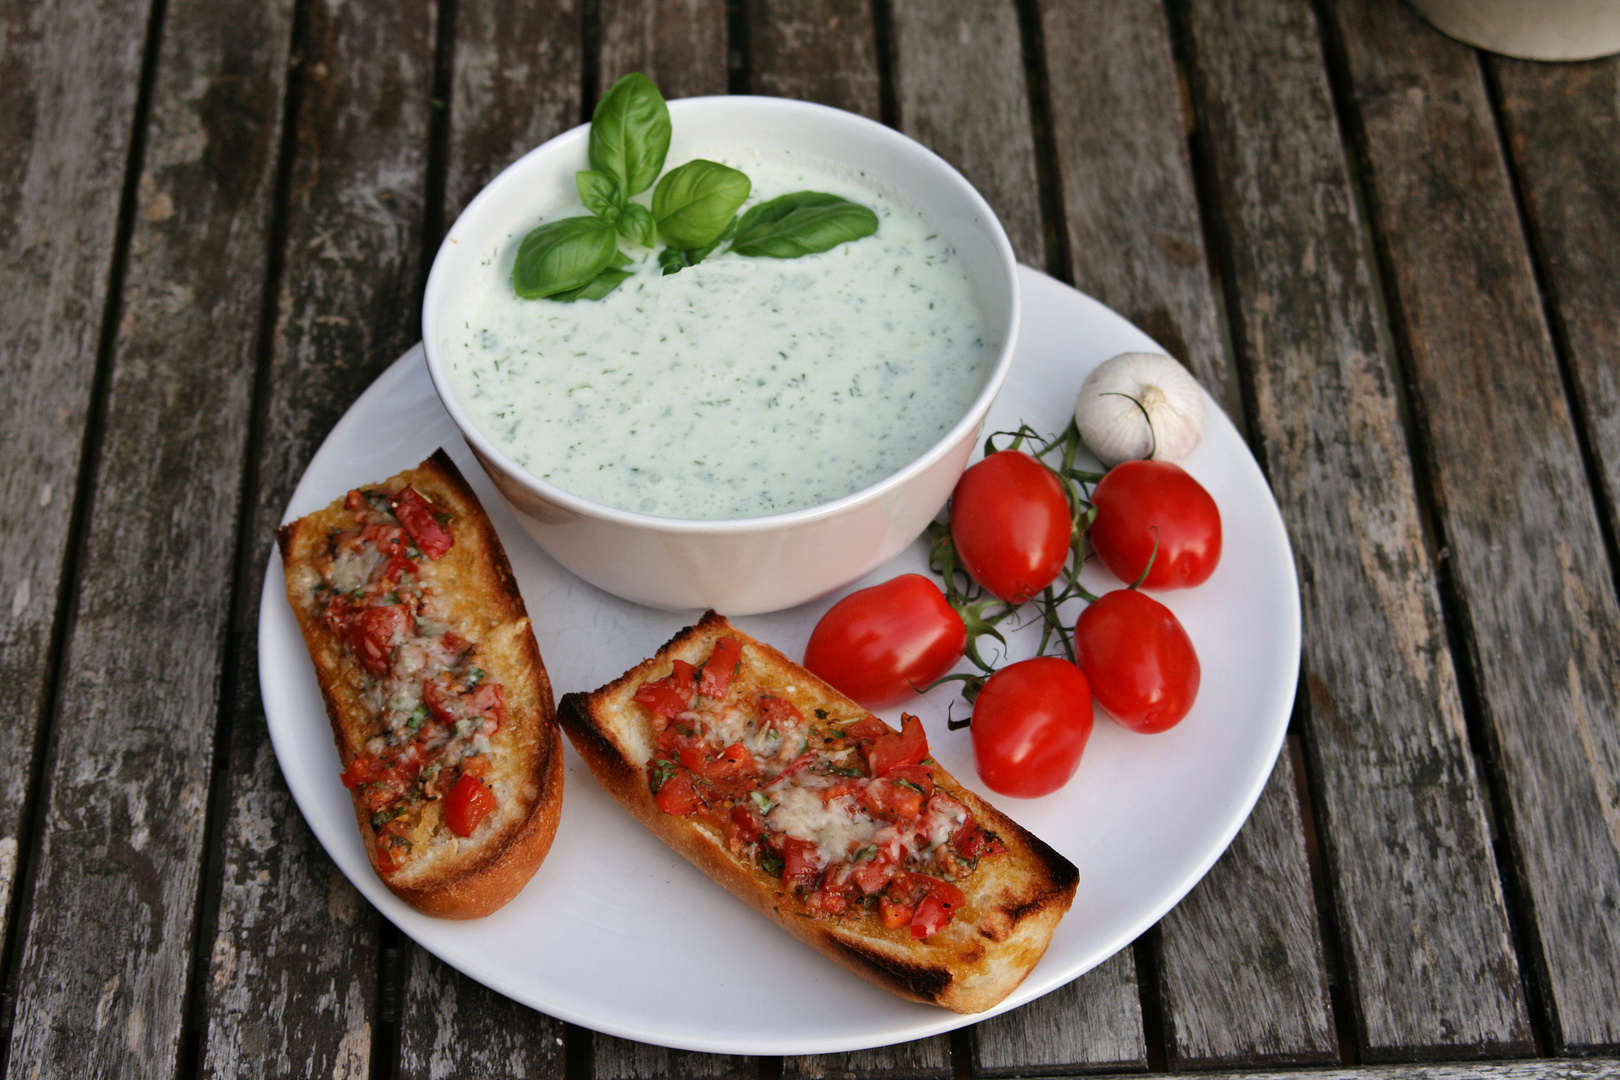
x,y
1140,501
883,644
1141,663
1010,523
1031,722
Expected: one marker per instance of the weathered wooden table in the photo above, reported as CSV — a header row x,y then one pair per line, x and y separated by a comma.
x,y
1393,259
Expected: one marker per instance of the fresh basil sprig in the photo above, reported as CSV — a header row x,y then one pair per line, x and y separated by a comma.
x,y
694,208
564,255
801,223
695,202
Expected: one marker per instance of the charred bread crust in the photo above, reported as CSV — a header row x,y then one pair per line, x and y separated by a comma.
x,y
475,592
1015,899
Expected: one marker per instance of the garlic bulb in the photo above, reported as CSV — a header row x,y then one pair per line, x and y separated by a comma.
x,y
1125,393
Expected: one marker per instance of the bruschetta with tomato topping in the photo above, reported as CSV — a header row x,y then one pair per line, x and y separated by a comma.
x,y
439,702
835,826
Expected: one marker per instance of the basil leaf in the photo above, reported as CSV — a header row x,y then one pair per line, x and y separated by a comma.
x,y
630,133
673,260
601,194
676,259
598,287
636,225
563,255
801,223
694,203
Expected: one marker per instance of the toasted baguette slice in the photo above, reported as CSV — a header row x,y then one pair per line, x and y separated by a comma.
x,y
1014,898
462,625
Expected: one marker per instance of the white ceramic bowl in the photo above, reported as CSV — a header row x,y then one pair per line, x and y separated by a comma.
x,y
747,565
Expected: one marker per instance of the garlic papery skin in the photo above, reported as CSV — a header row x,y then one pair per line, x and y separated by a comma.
x,y
1126,392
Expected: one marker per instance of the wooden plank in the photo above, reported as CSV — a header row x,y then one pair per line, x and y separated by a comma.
x,y
1401,813
67,106
1119,130
1268,1003
496,1038
920,1059
679,44
1546,1069
1563,126
516,83
1535,595
108,953
815,50
826,51
1091,1025
345,309
981,125
621,1059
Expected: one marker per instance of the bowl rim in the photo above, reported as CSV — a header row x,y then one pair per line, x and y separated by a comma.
x,y
490,452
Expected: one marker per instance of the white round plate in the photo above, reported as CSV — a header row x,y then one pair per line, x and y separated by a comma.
x,y
619,934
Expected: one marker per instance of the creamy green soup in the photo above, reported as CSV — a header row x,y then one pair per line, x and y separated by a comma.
x,y
742,386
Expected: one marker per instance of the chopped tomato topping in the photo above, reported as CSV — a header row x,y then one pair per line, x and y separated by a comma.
x,y
850,786
931,917
971,841
799,866
397,565
874,873
949,894
372,634
891,751
489,701
949,807
387,538
894,914
440,700
363,771
778,713
678,795
416,514
735,760
866,728
468,803
676,737
408,764
387,862
920,777
418,751
798,764
932,899
732,771
673,694
746,823
828,900
705,764
721,667
884,798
